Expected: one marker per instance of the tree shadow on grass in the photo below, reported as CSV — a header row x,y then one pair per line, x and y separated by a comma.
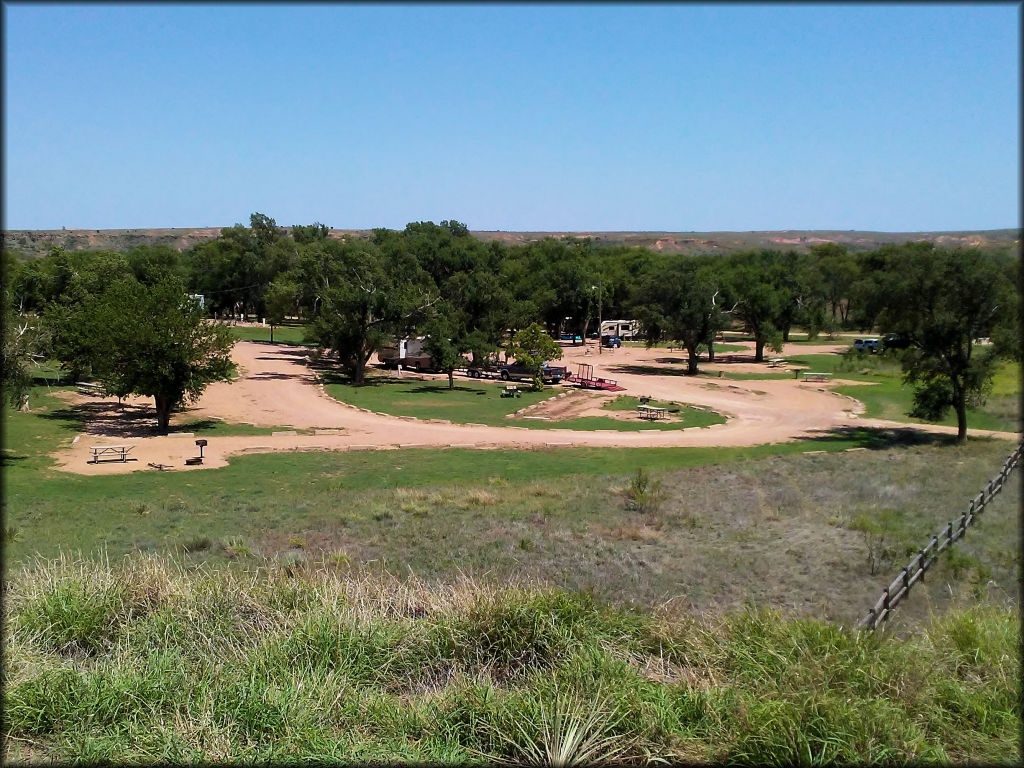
x,y
10,459
201,425
443,387
882,438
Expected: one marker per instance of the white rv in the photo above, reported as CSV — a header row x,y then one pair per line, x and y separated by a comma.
x,y
408,353
624,329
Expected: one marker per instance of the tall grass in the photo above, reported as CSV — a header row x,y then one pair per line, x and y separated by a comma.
x,y
149,661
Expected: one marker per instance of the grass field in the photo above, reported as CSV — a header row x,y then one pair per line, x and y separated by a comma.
x,y
283,334
563,515
143,662
482,403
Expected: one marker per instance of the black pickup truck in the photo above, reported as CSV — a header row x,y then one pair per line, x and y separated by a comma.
x,y
550,374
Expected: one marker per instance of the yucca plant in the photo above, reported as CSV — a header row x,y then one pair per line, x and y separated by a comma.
x,y
568,730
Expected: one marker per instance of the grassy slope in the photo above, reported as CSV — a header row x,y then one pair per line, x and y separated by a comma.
x,y
481,403
141,662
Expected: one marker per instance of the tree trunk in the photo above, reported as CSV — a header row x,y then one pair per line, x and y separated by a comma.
x,y
785,333
451,379
691,363
358,369
960,405
759,350
163,414
711,351
271,333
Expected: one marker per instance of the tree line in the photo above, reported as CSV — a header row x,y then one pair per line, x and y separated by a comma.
x,y
356,294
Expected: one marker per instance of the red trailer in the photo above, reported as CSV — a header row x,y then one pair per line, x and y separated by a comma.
x,y
585,378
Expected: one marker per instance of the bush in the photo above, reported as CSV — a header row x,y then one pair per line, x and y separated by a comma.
x,y
643,493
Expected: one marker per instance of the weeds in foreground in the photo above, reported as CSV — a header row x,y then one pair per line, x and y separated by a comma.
x,y
149,661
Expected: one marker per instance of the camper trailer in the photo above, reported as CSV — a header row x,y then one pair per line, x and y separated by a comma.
x,y
627,330
408,353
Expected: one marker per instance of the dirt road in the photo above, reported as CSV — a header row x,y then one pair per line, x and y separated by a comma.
x,y
277,389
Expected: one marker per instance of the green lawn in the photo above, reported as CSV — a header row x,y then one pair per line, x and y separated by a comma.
x,y
889,398
481,403
283,334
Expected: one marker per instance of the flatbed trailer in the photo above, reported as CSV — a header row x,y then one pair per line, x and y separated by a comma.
x,y
584,377
479,373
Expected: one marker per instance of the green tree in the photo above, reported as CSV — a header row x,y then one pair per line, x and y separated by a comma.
x,y
152,263
943,301
150,341
680,301
305,234
363,296
531,347
761,299
23,340
281,298
837,272
445,342
234,270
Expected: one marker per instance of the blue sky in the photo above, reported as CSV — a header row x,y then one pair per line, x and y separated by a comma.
x,y
514,117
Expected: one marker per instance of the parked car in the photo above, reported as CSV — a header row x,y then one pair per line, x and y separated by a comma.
x,y
611,342
867,345
550,374
895,341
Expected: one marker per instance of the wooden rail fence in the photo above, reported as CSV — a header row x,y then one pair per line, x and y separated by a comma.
x,y
955,529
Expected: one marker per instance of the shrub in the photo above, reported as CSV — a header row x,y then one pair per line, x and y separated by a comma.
x,y
643,493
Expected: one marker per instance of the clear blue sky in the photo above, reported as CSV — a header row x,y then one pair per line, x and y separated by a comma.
x,y
533,117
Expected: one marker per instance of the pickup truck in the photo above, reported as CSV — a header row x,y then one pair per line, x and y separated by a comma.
x,y
550,374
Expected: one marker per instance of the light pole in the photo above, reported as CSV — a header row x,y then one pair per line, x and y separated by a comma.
x,y
599,345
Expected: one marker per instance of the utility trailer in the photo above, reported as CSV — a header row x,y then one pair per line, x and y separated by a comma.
x,y
585,378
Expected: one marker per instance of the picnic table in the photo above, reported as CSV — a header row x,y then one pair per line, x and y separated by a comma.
x,y
511,390
651,413
118,452
815,376
775,362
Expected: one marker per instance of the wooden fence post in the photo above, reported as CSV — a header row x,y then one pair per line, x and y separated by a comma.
x,y
951,534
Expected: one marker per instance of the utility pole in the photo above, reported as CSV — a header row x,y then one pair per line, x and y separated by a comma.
x,y
599,339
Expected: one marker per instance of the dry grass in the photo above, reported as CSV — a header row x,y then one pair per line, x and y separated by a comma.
x,y
147,660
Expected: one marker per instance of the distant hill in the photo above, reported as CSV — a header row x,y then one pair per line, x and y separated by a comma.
x,y
37,242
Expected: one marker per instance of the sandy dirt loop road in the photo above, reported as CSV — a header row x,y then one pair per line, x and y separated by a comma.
x,y
277,388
